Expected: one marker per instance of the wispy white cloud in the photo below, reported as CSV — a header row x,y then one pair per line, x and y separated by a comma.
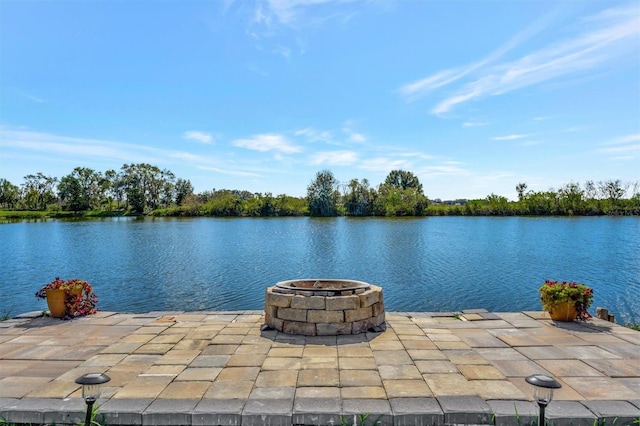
x,y
445,169
624,158
611,34
199,136
357,137
474,123
81,151
231,172
313,135
623,148
105,154
415,155
268,142
384,164
334,158
419,88
186,156
74,148
509,137
631,148
352,135
33,98
624,139
282,51
290,12
278,26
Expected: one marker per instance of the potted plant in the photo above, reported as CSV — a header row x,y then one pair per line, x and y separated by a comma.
x,y
69,299
566,301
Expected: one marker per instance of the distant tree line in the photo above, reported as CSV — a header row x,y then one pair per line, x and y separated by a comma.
x,y
590,199
136,188
146,189
399,195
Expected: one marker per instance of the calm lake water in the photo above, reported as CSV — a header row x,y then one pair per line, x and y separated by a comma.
x,y
423,264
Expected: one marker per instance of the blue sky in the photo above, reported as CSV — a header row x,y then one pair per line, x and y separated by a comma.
x,y
473,97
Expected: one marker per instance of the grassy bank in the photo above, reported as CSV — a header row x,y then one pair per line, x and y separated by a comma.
x,y
47,214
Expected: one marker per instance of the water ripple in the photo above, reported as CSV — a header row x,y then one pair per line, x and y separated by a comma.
x,y
423,264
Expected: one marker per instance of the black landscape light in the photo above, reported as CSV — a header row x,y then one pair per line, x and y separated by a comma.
x,y
543,387
91,390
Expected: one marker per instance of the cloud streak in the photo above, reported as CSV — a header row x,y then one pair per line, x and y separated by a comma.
x,y
87,151
474,124
509,137
229,172
312,135
334,158
33,98
417,89
384,164
196,135
74,148
610,34
289,12
625,139
279,26
626,147
268,142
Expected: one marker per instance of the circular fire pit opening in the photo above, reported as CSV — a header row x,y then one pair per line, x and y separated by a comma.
x,y
324,307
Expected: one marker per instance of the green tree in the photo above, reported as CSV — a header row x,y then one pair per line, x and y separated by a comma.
x,y
359,198
322,195
520,189
252,207
9,194
224,203
635,190
147,185
497,205
107,189
401,195
70,194
267,205
38,191
286,205
134,191
80,190
542,203
612,190
183,189
403,180
571,199
167,193
590,190
113,186
393,201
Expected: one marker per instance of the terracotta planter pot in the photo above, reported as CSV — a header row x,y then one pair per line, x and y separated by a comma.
x,y
563,312
55,301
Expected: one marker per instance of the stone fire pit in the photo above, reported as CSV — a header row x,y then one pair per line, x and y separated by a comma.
x,y
324,307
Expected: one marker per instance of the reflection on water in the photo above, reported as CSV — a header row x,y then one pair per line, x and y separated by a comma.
x,y
423,264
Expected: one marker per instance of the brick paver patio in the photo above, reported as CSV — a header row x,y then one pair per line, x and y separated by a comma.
x,y
219,368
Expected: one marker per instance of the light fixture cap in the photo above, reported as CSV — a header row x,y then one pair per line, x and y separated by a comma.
x,y
93,379
542,381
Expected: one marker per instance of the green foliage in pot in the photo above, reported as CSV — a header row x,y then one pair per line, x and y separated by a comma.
x,y
553,293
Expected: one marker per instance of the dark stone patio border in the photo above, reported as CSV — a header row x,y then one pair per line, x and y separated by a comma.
x,y
451,410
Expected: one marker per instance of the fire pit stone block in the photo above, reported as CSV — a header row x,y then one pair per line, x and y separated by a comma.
x,y
324,307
